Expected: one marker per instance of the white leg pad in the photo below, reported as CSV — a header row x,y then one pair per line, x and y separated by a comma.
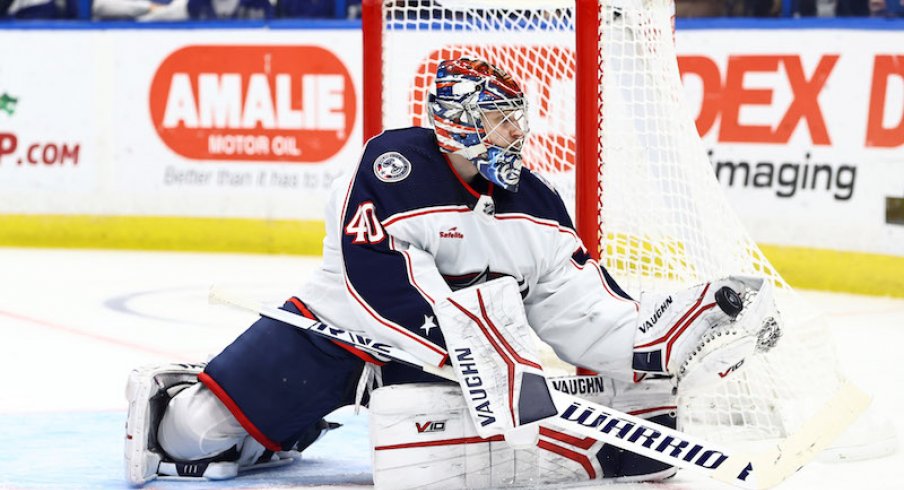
x,y
145,392
424,437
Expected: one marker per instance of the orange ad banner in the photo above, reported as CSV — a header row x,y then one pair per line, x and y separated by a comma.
x,y
260,103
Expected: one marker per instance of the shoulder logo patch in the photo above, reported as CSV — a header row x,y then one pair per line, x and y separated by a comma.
x,y
392,167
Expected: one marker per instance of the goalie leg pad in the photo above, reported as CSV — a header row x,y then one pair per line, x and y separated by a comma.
x,y
170,411
148,391
424,437
177,428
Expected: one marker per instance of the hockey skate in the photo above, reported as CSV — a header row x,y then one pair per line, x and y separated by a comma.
x,y
149,390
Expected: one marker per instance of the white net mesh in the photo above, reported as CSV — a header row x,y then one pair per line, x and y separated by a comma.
x,y
664,221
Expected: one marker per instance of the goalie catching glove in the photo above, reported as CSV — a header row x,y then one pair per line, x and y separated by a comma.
x,y
703,334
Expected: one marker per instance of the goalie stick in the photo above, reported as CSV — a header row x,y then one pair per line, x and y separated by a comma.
x,y
752,470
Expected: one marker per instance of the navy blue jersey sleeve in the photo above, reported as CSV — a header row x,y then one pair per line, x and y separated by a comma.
x,y
381,273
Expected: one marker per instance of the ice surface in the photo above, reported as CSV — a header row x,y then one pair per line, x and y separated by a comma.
x,y
73,323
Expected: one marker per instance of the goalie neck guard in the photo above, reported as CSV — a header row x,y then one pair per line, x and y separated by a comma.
x,y
478,111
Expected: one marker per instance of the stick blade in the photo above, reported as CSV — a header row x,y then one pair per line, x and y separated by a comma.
x,y
219,295
785,458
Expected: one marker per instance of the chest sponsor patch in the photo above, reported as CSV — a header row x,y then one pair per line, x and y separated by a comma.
x,y
392,167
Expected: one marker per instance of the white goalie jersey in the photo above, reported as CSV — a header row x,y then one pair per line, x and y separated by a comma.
x,y
404,230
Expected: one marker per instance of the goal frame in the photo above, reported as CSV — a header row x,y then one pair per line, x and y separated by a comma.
x,y
741,406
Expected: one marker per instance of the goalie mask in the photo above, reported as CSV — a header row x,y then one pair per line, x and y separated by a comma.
x,y
478,111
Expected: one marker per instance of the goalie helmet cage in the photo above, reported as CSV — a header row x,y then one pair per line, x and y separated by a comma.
x,y
609,127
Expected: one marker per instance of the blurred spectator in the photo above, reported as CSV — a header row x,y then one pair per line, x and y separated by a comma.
x,y
700,8
124,9
177,10
806,8
886,8
814,8
896,8
353,9
308,9
210,10
230,9
729,8
825,8
38,9
319,9
874,8
30,9
852,8
762,8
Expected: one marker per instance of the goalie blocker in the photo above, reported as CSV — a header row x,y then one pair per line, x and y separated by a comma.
x,y
493,354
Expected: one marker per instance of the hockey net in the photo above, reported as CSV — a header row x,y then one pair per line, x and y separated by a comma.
x,y
646,198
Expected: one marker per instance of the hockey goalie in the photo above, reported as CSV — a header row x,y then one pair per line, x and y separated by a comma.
x,y
441,243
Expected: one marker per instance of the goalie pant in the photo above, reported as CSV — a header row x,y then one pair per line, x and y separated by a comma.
x,y
423,437
316,376
279,381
